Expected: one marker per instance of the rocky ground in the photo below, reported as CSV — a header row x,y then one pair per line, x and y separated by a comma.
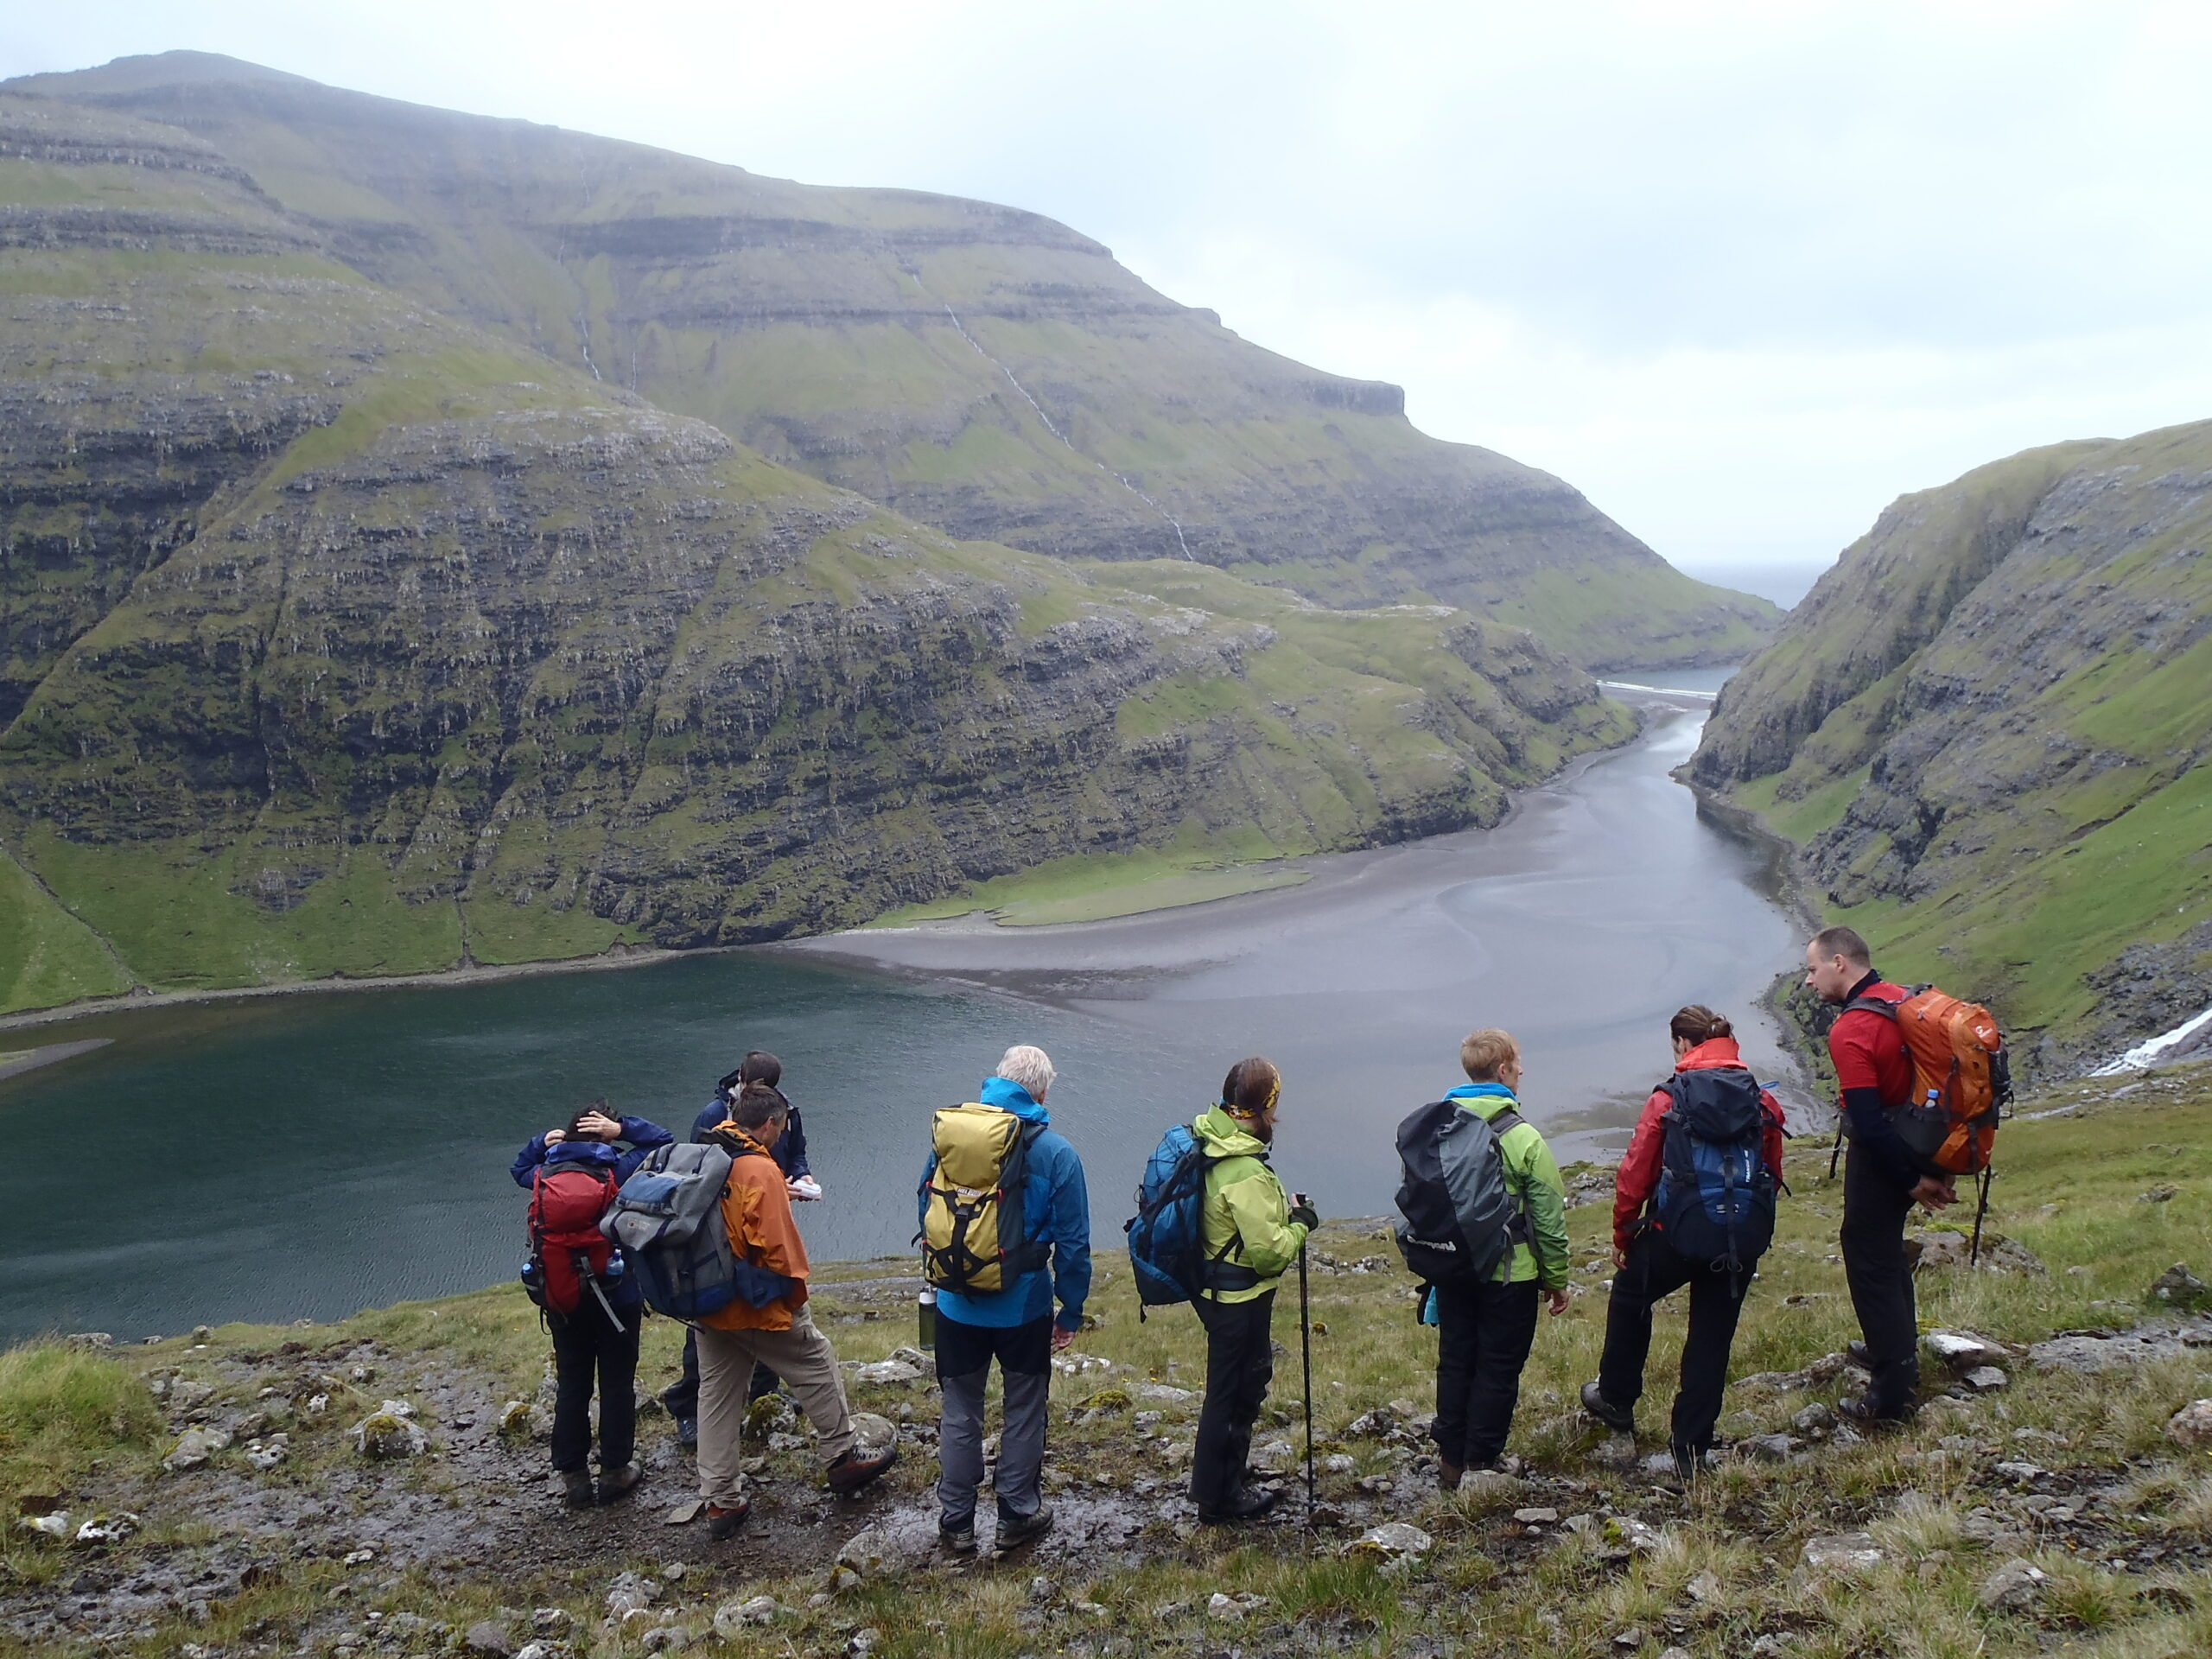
x,y
380,1486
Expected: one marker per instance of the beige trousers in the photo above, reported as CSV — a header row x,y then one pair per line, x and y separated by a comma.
x,y
803,1357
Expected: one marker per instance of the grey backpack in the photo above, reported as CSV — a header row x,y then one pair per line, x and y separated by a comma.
x,y
1461,1214
668,1219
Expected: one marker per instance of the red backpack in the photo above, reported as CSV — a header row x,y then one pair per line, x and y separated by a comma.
x,y
567,1249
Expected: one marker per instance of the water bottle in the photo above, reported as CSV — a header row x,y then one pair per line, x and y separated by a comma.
x,y
926,1306
615,1267
531,1279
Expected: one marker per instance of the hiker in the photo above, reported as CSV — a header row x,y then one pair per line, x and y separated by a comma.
x,y
1711,1104
1251,1232
1008,1315
1486,1327
682,1397
1882,1178
597,1338
768,1324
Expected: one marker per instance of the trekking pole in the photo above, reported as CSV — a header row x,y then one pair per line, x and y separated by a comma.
x,y
1981,1210
1306,1354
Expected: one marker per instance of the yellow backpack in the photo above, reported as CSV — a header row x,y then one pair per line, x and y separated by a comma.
x,y
972,1235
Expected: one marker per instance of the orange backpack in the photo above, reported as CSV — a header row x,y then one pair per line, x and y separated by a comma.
x,y
1960,1077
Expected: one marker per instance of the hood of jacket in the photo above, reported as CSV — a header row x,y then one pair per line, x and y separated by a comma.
x,y
1710,1055
1222,1136
1484,1100
735,1141
592,1155
1010,1096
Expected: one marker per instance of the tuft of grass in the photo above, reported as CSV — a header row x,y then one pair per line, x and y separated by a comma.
x,y
60,1407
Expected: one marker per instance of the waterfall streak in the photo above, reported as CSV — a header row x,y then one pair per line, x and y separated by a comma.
x,y
959,329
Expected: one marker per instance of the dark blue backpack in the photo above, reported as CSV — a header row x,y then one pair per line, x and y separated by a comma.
x,y
1715,1202
1166,1235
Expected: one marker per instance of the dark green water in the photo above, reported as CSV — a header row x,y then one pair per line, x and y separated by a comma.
x,y
308,1156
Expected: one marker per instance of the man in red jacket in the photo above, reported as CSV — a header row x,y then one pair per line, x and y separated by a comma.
x,y
1650,1267
1882,1179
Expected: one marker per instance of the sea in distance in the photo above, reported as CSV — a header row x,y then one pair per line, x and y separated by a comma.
x,y
307,1156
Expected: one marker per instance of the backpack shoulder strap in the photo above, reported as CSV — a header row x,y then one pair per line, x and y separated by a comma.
x,y
1880,1005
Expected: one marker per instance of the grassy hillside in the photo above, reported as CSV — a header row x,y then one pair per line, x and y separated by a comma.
x,y
975,367
345,638
1985,727
1581,1554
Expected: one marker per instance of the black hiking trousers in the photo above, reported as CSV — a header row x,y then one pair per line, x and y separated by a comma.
x,y
1655,1269
589,1348
1482,1338
1872,1241
1240,1364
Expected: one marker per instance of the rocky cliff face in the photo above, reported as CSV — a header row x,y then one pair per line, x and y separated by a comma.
x,y
1986,727
348,636
975,367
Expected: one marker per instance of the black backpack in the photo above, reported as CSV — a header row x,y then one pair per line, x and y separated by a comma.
x,y
1715,1202
1461,1213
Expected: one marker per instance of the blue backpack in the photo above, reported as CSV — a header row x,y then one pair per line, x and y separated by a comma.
x,y
1166,1235
1715,1202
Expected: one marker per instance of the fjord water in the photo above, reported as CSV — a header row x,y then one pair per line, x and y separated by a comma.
x,y
307,1156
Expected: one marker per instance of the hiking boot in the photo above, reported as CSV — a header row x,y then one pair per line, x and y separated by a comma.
x,y
1861,1413
1690,1462
958,1541
853,1471
575,1487
1448,1477
687,1431
1855,1351
1246,1503
1620,1418
619,1483
722,1524
1015,1530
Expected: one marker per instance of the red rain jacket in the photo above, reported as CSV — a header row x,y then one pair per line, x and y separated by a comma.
x,y
1640,1169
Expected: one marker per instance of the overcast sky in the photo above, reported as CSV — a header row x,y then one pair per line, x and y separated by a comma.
x,y
1742,272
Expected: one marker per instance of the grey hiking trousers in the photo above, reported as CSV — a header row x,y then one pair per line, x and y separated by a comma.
x,y
964,1353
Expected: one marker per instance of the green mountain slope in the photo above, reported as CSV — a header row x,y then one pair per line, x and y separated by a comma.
x,y
1987,726
973,367
344,637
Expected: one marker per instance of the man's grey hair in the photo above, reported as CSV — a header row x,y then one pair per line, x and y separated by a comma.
x,y
1029,1066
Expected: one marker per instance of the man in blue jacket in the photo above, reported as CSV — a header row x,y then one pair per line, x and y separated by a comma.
x,y
682,1397
586,1345
1014,1326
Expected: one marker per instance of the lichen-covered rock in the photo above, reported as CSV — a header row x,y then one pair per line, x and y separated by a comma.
x,y
1399,1545
2179,1288
1842,1552
194,1446
2012,1588
733,1620
389,1433
2191,1427
886,1373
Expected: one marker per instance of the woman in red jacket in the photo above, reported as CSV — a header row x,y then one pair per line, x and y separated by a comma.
x,y
1649,1262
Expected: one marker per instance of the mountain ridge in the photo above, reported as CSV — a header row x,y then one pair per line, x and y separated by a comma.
x,y
983,369
1986,729
343,637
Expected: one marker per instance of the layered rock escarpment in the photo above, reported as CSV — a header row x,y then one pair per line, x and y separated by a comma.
x,y
348,636
1986,726
973,367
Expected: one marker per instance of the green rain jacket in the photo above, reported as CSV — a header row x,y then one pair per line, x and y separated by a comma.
x,y
1246,1208
1532,1172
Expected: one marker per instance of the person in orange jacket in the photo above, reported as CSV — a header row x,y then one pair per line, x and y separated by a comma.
x,y
767,1324
1651,1266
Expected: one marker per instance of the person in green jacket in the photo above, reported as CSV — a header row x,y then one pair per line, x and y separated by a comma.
x,y
1252,1232
1484,1332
